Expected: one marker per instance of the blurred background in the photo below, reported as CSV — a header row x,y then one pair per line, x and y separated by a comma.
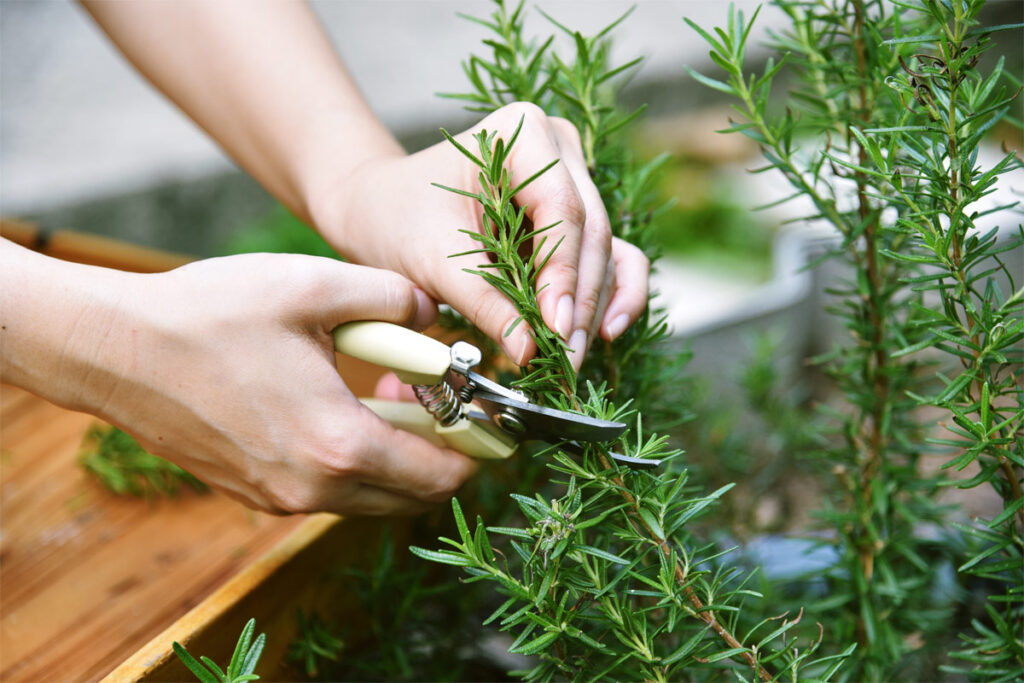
x,y
87,144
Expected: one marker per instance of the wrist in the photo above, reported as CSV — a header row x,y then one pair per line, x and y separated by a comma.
x,y
332,174
60,325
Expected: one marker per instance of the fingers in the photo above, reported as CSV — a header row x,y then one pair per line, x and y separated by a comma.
x,y
488,308
595,274
575,281
338,292
632,270
405,464
426,310
553,201
390,388
579,278
350,461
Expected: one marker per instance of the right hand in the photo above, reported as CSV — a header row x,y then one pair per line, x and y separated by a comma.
x,y
227,368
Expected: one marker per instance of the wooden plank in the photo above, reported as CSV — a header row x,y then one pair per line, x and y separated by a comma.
x,y
296,574
87,577
96,250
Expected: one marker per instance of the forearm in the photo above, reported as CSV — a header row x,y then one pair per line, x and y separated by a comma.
x,y
56,319
262,79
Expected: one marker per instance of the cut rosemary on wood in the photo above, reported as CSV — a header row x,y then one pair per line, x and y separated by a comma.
x,y
117,461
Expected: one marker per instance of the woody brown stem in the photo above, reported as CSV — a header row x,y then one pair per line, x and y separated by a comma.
x,y
705,615
875,440
952,145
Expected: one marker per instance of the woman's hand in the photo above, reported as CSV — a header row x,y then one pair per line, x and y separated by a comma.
x,y
387,214
287,111
227,368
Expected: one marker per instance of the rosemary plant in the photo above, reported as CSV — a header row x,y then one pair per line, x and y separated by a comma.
x,y
880,135
935,179
243,661
316,647
603,579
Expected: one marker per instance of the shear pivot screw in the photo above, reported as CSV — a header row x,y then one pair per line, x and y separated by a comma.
x,y
509,422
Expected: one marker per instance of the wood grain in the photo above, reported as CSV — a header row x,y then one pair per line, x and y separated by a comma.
x,y
86,578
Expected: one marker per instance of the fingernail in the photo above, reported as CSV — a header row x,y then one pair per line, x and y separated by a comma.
x,y
515,346
616,327
578,344
563,316
426,310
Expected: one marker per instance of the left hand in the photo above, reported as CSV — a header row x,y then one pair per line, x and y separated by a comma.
x,y
387,214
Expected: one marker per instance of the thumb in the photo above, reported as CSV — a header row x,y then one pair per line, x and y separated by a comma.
x,y
345,292
487,308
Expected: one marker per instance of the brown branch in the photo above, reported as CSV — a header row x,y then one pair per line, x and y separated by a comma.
x,y
960,272
705,615
877,361
1011,477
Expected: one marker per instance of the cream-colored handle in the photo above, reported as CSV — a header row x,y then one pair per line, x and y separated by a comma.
x,y
409,417
415,358
466,436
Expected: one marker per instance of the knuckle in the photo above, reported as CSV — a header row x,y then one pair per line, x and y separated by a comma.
x,y
600,230
566,200
338,454
589,302
297,498
530,113
445,485
399,300
565,128
486,312
559,270
317,466
340,465
629,251
292,279
633,256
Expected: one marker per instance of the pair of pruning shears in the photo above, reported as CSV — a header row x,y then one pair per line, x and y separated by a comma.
x,y
460,408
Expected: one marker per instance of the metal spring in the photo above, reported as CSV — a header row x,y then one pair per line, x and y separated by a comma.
x,y
440,400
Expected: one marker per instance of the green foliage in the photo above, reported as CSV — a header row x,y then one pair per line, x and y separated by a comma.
x,y
409,622
598,572
243,661
316,646
120,464
714,228
760,434
603,578
279,232
506,231
881,135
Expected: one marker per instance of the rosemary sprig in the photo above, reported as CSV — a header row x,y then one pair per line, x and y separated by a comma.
x,y
316,646
243,661
117,461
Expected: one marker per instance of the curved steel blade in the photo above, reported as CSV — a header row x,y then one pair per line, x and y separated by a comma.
x,y
627,460
538,422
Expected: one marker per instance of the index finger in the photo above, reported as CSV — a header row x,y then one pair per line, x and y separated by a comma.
x,y
553,202
406,464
